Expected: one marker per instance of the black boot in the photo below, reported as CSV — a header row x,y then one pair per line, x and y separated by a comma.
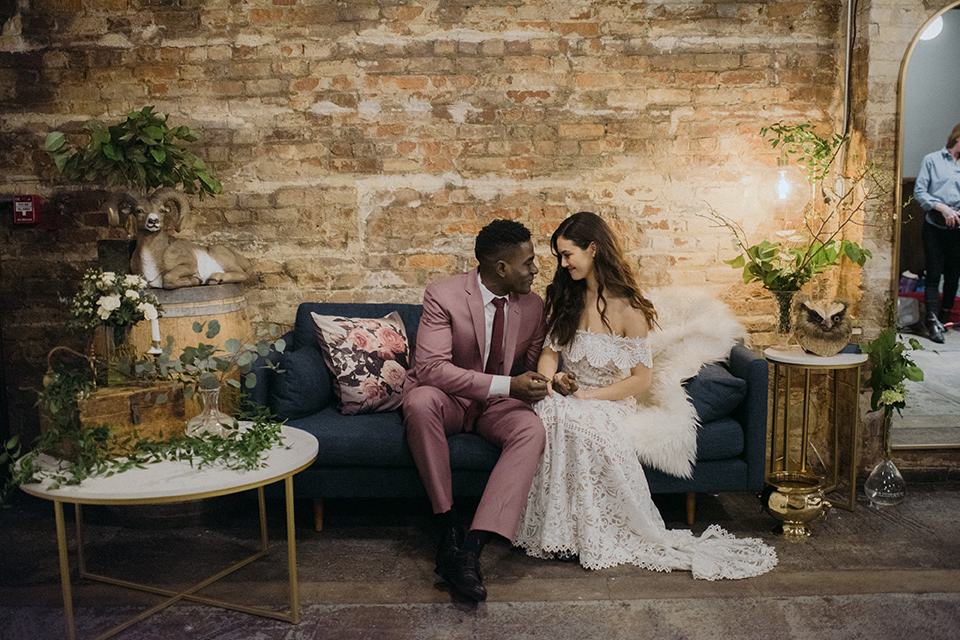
x,y
944,315
934,328
451,539
462,570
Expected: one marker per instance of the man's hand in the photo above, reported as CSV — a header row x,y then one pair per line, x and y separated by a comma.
x,y
565,383
529,387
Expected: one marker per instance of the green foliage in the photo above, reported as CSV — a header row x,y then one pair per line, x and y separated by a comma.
x,y
891,365
140,152
8,455
206,366
809,149
790,264
100,452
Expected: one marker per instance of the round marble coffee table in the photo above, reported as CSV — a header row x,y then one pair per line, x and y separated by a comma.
x,y
176,481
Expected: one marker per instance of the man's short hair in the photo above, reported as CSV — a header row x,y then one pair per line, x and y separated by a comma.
x,y
497,236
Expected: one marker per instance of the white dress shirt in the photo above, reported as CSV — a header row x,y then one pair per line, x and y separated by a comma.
x,y
501,384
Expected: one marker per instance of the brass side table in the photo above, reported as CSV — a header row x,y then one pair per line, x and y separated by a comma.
x,y
790,365
179,481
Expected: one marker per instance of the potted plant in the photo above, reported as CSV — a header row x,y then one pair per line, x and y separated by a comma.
x,y
140,152
891,366
814,243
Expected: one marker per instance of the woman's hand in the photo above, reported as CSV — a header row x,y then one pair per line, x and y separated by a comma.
x,y
564,383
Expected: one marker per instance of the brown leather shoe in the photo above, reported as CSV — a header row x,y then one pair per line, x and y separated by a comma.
x,y
462,570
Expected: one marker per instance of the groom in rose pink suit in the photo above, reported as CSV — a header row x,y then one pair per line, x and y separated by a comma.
x,y
477,348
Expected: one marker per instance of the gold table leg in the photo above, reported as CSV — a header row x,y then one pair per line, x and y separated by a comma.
x,y
189,594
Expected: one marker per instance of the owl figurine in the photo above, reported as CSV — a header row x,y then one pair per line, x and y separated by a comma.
x,y
821,327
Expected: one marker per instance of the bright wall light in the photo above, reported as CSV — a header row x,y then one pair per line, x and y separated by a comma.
x,y
790,189
933,30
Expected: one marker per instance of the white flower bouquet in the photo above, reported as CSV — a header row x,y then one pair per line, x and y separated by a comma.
x,y
106,298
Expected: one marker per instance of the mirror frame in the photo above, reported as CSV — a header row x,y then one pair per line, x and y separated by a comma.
x,y
898,186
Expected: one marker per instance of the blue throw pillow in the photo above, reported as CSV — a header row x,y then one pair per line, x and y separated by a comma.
x,y
715,392
303,387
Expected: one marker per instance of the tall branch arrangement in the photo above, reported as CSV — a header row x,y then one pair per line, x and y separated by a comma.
x,y
816,244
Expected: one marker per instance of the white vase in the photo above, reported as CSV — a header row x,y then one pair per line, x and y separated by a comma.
x,y
885,487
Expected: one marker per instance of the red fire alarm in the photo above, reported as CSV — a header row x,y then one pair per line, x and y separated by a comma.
x,y
26,209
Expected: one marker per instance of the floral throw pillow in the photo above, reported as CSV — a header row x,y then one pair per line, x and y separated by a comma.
x,y
368,357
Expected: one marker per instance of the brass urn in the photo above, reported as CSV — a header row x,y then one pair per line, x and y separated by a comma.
x,y
795,499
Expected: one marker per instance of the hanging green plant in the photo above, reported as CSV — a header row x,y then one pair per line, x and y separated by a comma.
x,y
140,152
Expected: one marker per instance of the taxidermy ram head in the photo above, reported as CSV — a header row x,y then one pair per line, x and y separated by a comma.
x,y
822,327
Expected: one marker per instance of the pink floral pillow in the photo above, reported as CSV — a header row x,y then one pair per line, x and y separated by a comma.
x,y
369,359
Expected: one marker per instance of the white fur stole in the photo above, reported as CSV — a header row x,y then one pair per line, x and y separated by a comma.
x,y
694,329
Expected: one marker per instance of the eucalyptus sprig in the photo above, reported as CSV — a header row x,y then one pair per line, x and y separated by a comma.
x,y
207,366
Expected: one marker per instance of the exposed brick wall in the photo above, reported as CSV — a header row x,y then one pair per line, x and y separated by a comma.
x,y
362,144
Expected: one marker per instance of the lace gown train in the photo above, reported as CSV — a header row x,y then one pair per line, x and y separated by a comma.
x,y
590,495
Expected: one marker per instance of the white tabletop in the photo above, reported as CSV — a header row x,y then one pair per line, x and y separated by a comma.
x,y
802,358
176,481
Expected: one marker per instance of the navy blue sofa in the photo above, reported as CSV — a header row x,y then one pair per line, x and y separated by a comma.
x,y
366,456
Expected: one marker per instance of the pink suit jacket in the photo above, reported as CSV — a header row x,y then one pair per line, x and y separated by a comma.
x,y
450,341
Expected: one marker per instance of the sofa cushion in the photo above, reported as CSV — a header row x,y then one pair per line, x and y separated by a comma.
x,y
379,440
302,386
719,439
715,392
368,358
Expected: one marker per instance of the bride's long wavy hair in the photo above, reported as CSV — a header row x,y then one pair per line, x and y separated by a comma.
x,y
566,297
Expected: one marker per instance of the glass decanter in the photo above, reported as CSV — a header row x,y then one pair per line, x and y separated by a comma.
x,y
211,420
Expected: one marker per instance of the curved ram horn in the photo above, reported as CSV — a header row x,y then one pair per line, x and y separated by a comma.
x,y
115,205
175,201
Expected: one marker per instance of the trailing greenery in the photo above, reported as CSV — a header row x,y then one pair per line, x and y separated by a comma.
x,y
140,152
102,451
99,451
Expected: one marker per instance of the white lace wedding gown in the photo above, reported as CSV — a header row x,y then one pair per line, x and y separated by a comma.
x,y
590,495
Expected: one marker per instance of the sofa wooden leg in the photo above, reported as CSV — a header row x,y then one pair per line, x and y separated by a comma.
x,y
691,506
318,514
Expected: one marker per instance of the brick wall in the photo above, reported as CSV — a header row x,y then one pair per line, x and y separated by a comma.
x,y
362,144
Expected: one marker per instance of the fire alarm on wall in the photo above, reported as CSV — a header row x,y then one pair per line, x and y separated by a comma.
x,y
26,209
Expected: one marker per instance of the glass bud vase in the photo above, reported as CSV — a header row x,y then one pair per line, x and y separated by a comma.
x,y
210,420
885,486
784,321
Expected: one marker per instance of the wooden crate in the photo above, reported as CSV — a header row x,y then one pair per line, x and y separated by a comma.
x,y
128,408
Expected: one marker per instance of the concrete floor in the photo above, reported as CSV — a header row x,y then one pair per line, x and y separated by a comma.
x,y
872,573
932,414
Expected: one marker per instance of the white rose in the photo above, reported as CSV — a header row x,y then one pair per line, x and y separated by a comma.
x,y
132,280
133,295
149,311
107,279
109,302
103,313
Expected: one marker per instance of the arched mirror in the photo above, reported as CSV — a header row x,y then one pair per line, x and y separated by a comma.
x,y
929,108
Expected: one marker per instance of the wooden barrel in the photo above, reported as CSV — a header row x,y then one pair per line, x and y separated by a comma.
x,y
183,307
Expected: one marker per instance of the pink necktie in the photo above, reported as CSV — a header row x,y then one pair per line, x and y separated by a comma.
x,y
495,360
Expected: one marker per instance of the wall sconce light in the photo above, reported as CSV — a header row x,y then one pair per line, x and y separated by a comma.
x,y
790,189
933,30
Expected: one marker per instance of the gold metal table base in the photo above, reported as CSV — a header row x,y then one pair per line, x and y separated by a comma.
x,y
781,408
293,615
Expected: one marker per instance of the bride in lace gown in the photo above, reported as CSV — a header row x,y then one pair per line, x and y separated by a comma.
x,y
590,496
